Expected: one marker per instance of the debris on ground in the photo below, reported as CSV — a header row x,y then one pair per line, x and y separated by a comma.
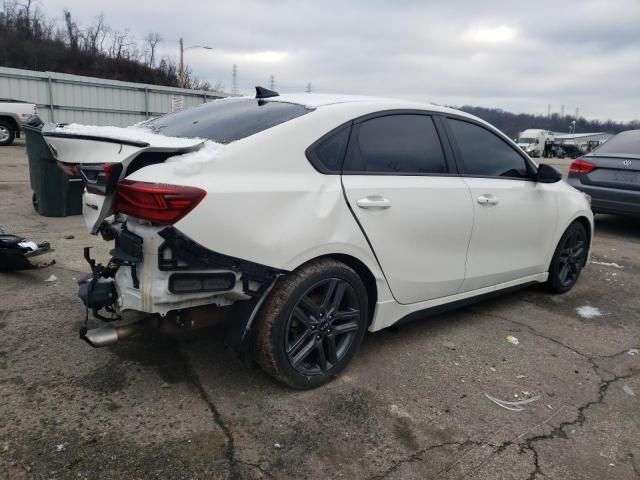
x,y
606,264
633,351
52,278
16,252
60,447
68,237
628,390
513,406
587,311
277,445
512,339
520,377
449,345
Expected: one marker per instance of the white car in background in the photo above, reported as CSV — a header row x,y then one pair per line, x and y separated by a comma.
x,y
13,115
308,219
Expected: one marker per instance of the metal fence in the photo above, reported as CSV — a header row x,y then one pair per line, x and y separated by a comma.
x,y
65,98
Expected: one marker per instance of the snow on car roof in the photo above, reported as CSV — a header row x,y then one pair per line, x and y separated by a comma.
x,y
317,100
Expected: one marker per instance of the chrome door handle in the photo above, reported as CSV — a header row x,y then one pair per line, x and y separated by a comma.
x,y
487,199
374,201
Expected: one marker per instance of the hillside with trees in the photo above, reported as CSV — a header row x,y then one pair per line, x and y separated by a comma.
x,y
30,40
514,123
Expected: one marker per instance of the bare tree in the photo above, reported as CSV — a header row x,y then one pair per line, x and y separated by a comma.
x,y
96,34
152,39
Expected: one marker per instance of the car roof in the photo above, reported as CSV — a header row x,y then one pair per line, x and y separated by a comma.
x,y
321,100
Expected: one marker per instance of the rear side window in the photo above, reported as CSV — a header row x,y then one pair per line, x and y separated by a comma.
x,y
225,121
485,153
397,144
327,154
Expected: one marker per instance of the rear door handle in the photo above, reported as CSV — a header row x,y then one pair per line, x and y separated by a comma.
x,y
487,199
374,201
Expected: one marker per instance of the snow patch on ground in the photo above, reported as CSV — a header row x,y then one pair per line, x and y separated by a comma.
x,y
192,163
132,134
606,264
587,311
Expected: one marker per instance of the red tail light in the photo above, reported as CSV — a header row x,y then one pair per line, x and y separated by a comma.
x,y
70,169
581,166
156,202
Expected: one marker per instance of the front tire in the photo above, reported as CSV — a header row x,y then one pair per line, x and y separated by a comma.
x,y
311,324
569,259
7,134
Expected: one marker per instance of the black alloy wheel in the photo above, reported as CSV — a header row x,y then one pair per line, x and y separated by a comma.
x,y
311,324
569,259
322,326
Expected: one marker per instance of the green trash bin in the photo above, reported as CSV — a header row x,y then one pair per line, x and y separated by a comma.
x,y
55,194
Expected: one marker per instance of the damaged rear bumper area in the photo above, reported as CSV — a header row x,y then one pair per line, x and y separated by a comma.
x,y
171,283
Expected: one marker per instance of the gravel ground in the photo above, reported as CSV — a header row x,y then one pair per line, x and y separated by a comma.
x,y
412,404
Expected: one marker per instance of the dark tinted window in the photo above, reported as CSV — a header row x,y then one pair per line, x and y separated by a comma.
x,y
404,144
225,121
484,153
625,143
327,154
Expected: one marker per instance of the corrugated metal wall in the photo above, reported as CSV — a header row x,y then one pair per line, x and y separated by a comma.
x,y
65,98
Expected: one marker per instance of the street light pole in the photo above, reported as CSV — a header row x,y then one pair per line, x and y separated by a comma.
x,y
181,77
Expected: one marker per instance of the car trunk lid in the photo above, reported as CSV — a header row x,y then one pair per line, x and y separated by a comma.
x,y
103,156
613,171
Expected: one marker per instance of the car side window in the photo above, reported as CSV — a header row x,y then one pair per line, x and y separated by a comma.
x,y
485,153
327,154
404,144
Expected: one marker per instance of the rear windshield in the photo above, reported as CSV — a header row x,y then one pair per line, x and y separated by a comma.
x,y
225,121
623,143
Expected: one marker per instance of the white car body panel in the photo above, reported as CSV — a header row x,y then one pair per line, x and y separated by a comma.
x,y
267,204
511,238
426,260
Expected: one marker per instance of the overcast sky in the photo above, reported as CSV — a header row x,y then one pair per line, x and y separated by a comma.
x,y
515,55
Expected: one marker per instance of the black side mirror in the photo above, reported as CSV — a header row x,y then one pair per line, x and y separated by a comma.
x,y
548,174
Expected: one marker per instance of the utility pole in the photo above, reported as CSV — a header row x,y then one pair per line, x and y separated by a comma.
x,y
308,88
234,80
562,111
181,79
576,124
548,111
272,82
181,73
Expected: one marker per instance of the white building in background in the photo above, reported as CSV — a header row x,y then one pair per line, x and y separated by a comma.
x,y
582,140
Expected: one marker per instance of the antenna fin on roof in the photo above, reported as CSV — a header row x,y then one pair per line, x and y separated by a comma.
x,y
262,92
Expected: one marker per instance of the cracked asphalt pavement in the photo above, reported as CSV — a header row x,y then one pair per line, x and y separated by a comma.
x,y
411,406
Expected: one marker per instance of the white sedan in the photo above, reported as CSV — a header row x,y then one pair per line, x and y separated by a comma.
x,y
306,220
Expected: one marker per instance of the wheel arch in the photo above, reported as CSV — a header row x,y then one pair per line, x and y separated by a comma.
x,y
10,120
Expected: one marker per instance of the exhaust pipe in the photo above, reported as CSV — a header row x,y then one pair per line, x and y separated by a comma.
x,y
109,335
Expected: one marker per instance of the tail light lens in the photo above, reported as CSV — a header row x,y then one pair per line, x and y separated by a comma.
x,y
581,166
156,202
71,169
100,178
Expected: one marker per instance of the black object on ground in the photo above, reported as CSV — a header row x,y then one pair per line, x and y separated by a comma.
x,y
16,252
55,194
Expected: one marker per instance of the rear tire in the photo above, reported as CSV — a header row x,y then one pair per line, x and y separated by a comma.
x,y
7,134
311,324
569,259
